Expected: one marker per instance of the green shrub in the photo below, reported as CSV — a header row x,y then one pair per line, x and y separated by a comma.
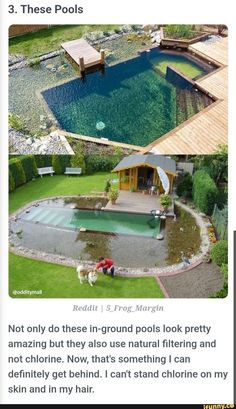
x,y
223,292
222,198
165,201
185,186
56,164
16,122
59,163
100,163
33,62
17,171
204,191
118,152
219,253
113,195
224,270
11,182
43,161
29,166
107,186
179,31
65,161
216,165
78,160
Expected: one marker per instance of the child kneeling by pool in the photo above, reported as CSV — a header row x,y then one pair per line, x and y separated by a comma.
x,y
107,266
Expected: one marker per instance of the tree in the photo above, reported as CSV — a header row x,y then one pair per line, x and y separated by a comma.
x,y
78,160
215,165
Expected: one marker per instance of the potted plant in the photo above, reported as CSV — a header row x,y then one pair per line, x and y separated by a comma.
x,y
113,196
165,201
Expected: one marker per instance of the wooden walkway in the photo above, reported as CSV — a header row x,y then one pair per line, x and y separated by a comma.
x,y
203,133
81,49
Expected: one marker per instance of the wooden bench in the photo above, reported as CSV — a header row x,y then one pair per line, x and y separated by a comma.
x,y
73,171
46,171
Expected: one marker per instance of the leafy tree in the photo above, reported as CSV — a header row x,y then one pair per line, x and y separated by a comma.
x,y
215,165
78,159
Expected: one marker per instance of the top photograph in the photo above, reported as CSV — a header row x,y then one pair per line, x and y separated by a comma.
x,y
159,89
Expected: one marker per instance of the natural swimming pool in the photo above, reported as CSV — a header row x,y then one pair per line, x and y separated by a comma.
x,y
132,242
133,88
130,102
94,220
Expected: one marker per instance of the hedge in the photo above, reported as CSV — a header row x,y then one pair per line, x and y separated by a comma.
x,y
219,252
17,171
205,191
29,166
11,182
43,161
59,163
23,168
98,163
185,186
78,159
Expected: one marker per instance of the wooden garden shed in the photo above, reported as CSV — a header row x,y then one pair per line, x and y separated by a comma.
x,y
139,172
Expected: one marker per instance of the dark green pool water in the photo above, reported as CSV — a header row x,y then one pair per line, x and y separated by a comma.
x,y
131,102
94,220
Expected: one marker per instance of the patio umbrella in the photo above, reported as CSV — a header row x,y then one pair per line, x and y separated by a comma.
x,y
164,179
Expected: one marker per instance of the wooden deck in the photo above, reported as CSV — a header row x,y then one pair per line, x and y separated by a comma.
x,y
78,49
136,203
202,133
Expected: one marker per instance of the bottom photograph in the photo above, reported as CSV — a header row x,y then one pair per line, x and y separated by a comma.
x,y
118,226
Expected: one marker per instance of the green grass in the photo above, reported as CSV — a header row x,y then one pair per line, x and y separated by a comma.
x,y
56,186
185,66
34,44
57,281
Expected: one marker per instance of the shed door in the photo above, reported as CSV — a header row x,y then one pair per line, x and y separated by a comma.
x,y
124,179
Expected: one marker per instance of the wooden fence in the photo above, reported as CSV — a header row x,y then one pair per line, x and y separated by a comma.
x,y
20,29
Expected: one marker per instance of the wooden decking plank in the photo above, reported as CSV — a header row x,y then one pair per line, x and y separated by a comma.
x,y
81,48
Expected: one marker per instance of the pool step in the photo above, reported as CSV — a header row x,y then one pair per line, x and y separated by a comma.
x,y
34,212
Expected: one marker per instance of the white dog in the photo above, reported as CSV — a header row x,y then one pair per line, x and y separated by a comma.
x,y
84,274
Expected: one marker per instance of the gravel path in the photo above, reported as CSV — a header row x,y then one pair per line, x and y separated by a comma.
x,y
201,282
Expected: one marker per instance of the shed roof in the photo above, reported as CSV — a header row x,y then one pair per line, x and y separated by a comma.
x,y
153,161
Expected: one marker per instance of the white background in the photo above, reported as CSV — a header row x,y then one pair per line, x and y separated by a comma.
x,y
217,312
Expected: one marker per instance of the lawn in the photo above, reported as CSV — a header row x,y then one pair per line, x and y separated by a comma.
x,y
58,281
38,43
56,186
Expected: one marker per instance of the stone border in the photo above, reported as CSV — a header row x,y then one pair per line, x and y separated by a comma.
x,y
120,271
24,63
53,143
